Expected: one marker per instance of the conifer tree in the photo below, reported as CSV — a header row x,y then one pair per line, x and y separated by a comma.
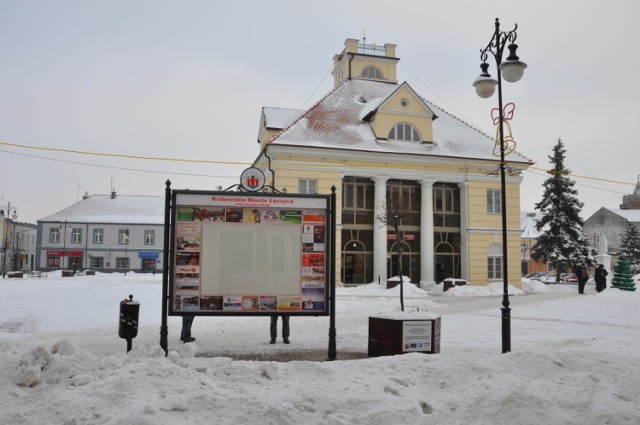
x,y
630,247
622,277
561,240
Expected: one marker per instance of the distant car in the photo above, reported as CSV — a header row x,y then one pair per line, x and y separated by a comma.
x,y
549,278
568,278
535,275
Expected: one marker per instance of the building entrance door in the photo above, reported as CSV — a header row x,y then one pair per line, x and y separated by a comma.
x,y
148,265
447,266
75,263
353,268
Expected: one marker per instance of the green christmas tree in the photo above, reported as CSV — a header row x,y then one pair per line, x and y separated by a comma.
x,y
622,277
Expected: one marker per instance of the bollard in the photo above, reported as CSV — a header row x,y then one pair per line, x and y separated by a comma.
x,y
129,312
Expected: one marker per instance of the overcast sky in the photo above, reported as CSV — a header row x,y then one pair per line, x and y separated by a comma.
x,y
188,79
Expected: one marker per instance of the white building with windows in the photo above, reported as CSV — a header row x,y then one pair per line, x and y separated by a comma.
x,y
106,233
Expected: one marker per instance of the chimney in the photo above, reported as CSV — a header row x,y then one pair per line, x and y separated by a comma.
x,y
85,196
113,194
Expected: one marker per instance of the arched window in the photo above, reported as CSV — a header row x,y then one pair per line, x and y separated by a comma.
x,y
404,132
372,72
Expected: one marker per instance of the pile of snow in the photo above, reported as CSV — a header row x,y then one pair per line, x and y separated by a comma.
x,y
574,359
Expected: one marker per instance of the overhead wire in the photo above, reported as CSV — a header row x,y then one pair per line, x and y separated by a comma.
x,y
316,89
117,155
114,167
448,166
534,150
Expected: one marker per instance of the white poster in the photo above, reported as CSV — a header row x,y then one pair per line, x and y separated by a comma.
x,y
416,335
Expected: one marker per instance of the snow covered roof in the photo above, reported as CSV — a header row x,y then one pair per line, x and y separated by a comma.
x,y
129,209
336,122
632,216
279,118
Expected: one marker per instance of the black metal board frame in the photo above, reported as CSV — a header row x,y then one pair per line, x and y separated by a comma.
x,y
210,204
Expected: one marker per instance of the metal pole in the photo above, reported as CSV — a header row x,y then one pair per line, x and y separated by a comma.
x,y
126,250
332,276
64,244
164,331
15,255
5,244
4,256
506,310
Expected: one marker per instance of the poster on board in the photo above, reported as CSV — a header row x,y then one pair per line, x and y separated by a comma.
x,y
238,253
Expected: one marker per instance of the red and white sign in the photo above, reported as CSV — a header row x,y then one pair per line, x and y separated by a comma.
x,y
65,254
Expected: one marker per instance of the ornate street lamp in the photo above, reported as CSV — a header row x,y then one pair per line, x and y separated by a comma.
x,y
5,224
126,250
511,70
64,245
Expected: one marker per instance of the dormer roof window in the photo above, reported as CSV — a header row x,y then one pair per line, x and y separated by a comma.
x,y
404,132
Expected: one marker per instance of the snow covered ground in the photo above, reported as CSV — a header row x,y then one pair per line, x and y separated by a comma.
x,y
575,360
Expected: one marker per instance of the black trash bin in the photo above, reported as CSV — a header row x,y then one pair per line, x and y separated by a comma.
x,y
129,313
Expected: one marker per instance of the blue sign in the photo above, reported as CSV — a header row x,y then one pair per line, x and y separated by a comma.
x,y
148,254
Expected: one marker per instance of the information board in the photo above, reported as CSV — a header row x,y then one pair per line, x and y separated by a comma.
x,y
248,253
416,335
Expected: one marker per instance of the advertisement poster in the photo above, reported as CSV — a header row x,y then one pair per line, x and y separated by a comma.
x,y
248,253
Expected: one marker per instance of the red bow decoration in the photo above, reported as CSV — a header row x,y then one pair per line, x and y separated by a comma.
x,y
509,142
508,110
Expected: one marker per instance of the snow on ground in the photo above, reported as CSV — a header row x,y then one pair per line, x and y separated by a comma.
x,y
575,359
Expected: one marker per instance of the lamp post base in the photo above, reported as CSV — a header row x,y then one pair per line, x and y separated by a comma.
x,y
506,329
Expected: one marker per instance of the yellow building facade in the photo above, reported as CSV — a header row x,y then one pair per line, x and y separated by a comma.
x,y
376,140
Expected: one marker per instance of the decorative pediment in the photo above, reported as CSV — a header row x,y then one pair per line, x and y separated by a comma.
x,y
402,107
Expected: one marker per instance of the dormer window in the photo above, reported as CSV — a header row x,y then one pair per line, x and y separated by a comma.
x,y
404,132
372,72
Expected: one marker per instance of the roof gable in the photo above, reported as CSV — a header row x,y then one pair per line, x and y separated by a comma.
x,y
415,104
337,122
632,216
129,209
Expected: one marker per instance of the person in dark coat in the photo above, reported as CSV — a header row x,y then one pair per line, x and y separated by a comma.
x,y
600,276
583,276
274,328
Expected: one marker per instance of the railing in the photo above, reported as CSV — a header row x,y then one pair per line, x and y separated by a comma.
x,y
371,49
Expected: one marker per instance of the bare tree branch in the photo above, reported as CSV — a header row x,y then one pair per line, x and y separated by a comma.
x,y
392,213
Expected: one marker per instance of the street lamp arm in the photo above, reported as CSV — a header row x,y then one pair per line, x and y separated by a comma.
x,y
498,42
512,68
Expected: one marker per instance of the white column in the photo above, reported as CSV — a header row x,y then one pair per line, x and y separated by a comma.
x,y
379,232
464,231
426,234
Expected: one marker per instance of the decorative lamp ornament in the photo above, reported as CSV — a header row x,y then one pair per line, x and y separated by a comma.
x,y
512,69
484,84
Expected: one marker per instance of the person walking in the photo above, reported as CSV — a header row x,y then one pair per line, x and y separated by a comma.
x,y
583,276
274,328
185,335
600,276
